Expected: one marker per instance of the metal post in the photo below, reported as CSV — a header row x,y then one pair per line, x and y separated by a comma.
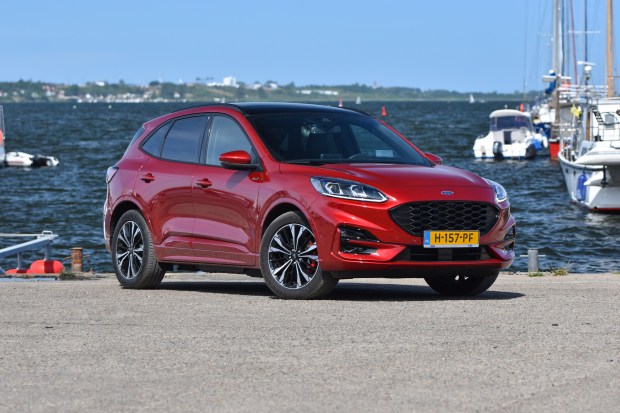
x,y
532,260
76,259
19,261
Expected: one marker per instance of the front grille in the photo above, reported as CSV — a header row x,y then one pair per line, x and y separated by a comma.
x,y
448,254
416,217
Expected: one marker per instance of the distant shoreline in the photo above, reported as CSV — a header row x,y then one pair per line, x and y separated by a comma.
x,y
166,92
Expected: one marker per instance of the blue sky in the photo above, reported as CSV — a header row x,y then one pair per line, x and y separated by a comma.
x,y
474,45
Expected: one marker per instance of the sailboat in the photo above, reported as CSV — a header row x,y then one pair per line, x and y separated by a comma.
x,y
22,159
590,160
471,98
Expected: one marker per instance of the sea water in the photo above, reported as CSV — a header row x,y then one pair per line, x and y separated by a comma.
x,y
88,138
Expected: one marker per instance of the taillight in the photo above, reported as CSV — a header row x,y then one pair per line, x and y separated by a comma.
x,y
112,170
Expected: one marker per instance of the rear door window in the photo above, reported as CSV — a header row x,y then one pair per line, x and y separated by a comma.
x,y
184,139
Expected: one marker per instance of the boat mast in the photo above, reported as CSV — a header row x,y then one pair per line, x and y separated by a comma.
x,y
557,65
585,29
610,65
557,37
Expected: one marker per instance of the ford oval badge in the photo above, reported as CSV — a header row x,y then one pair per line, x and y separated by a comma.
x,y
447,193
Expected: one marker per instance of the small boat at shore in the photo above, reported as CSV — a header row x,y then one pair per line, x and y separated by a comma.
x,y
26,160
21,159
511,136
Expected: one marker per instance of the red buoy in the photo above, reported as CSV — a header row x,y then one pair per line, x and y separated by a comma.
x,y
383,111
16,271
46,267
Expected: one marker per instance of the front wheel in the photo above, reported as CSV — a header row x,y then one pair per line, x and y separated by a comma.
x,y
133,254
461,285
290,261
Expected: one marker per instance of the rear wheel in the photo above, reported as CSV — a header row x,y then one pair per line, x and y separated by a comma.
x,y
133,254
290,262
461,285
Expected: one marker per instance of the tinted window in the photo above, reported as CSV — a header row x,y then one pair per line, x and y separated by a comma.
x,y
135,138
183,140
510,122
225,136
154,143
370,144
333,138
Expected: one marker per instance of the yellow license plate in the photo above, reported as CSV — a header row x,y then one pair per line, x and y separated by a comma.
x,y
451,239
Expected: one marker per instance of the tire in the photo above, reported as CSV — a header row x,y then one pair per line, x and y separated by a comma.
x,y
461,285
289,260
133,255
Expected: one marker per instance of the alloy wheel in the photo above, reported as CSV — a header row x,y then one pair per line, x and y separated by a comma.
x,y
129,250
293,258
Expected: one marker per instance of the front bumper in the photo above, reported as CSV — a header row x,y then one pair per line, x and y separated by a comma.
x,y
390,251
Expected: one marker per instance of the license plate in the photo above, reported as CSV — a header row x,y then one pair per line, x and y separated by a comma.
x,y
451,239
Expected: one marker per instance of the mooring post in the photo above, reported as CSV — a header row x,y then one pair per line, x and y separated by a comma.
x,y
532,260
76,259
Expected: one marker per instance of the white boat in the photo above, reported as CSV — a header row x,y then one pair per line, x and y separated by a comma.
x,y
511,136
471,98
590,161
26,160
21,159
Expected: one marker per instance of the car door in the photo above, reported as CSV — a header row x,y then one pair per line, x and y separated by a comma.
x,y
165,185
225,200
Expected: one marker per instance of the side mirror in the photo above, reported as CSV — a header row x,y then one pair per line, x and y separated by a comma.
x,y
434,158
237,160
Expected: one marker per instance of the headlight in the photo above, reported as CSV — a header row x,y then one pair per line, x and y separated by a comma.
x,y
340,188
500,193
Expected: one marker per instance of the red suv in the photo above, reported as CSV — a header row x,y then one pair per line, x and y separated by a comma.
x,y
302,195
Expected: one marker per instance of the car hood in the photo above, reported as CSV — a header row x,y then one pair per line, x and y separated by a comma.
x,y
404,176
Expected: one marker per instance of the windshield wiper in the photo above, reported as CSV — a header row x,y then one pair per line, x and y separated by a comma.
x,y
309,161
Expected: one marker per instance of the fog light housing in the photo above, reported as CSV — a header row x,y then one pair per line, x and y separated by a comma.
x,y
511,233
356,241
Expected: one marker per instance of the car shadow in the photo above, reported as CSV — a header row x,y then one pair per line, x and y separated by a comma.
x,y
343,292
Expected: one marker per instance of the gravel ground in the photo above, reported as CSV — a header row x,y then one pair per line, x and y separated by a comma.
x,y
224,343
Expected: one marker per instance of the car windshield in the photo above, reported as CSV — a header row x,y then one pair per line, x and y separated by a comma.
x,y
319,138
510,122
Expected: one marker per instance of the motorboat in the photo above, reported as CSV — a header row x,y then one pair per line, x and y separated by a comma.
x,y
511,136
26,160
590,160
21,159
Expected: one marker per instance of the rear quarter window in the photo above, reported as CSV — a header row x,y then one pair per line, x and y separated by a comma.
x,y
153,144
135,138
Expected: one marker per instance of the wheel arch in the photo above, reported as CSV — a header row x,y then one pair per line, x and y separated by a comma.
x,y
120,210
279,210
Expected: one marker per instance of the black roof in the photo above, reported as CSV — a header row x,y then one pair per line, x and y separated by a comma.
x,y
258,108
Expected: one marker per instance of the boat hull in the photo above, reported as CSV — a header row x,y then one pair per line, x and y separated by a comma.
x,y
591,186
25,160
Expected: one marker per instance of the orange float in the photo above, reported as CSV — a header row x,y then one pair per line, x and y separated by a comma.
x,y
46,267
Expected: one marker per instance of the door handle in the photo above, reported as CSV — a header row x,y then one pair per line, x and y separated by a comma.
x,y
204,183
148,177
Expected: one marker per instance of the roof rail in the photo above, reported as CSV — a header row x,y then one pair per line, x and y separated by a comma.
x,y
354,110
229,105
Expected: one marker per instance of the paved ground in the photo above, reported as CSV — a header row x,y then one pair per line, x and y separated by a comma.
x,y
225,344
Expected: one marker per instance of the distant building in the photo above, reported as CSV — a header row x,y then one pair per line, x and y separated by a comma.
x,y
230,81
